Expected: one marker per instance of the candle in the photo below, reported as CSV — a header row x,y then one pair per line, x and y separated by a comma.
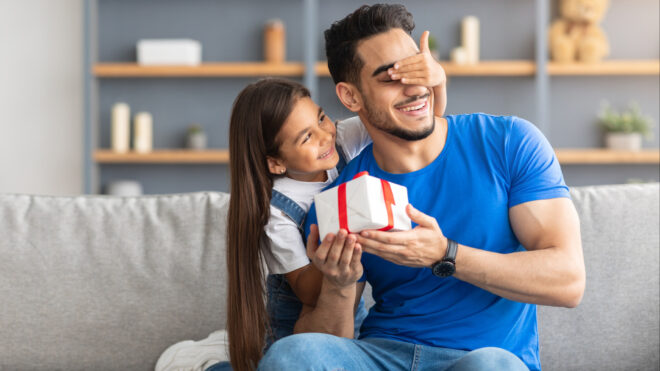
x,y
120,131
274,42
458,55
470,38
142,136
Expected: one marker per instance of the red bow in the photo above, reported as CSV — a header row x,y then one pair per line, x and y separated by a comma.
x,y
388,198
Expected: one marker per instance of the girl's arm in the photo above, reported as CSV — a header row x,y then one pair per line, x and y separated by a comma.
x,y
306,283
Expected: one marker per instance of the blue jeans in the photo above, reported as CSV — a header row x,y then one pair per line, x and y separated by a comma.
x,y
326,352
283,309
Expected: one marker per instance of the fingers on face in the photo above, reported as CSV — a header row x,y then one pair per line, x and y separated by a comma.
x,y
424,41
414,62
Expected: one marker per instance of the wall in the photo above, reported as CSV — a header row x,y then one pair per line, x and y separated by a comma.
x,y
231,31
41,105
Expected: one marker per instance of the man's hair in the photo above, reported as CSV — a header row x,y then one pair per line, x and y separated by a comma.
x,y
342,38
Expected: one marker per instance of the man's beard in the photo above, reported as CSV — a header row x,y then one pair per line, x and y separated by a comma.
x,y
380,121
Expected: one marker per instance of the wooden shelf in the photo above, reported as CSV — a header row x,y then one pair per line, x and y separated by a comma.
x,y
219,156
590,156
238,69
620,67
485,68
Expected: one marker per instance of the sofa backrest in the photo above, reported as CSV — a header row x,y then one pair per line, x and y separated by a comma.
x,y
616,325
100,282
97,282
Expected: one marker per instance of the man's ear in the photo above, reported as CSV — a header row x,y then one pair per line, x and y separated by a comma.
x,y
275,165
349,95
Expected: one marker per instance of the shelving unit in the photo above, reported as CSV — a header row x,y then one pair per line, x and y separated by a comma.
x,y
164,156
606,156
566,156
538,72
484,68
242,69
610,67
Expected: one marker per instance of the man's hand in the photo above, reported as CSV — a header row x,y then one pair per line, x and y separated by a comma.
x,y
420,69
338,257
420,247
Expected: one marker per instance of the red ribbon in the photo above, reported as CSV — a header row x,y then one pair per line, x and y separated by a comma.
x,y
388,198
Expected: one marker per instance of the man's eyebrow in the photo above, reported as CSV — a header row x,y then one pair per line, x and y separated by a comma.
x,y
382,69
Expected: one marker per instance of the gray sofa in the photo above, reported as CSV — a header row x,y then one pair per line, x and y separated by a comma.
x,y
108,283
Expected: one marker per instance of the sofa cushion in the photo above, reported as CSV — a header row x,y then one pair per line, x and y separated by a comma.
x,y
616,325
99,282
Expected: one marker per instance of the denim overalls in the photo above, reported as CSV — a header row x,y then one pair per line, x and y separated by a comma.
x,y
283,305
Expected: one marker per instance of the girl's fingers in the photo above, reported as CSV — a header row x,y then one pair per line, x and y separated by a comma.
x,y
415,81
337,246
347,253
323,250
411,75
408,64
356,259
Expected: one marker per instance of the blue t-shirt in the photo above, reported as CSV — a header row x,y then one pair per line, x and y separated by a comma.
x,y
489,164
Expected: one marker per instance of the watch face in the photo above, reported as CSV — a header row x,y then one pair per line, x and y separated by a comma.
x,y
444,269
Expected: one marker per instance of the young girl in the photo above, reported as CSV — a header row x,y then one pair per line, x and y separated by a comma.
x,y
283,150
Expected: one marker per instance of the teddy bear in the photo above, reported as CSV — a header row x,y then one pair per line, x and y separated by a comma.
x,y
577,36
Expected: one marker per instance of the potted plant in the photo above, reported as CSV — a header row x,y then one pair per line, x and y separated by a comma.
x,y
624,130
196,138
433,47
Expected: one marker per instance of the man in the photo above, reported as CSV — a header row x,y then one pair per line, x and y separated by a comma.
x,y
496,231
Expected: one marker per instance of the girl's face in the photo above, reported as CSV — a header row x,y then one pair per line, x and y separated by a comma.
x,y
307,144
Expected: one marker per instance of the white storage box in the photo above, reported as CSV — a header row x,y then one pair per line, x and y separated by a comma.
x,y
361,205
152,52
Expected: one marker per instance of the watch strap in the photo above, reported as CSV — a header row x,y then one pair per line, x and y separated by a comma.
x,y
452,248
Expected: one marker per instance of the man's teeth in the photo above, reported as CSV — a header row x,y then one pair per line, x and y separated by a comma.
x,y
413,108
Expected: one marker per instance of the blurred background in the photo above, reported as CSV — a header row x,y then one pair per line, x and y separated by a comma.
x,y
65,64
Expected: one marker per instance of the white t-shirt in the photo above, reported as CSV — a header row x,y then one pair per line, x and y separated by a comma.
x,y
285,251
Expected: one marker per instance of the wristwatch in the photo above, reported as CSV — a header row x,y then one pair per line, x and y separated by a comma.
x,y
447,266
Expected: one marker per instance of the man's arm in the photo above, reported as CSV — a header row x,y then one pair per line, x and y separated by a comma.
x,y
338,258
550,272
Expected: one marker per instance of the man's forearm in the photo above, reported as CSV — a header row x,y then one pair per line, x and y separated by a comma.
x,y
333,313
528,276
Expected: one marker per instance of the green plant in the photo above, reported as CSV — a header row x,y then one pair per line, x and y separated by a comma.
x,y
433,44
629,120
195,129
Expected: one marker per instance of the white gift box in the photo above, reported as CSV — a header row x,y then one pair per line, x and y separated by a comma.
x,y
169,52
362,205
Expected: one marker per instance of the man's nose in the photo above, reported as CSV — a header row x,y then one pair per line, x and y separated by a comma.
x,y
413,90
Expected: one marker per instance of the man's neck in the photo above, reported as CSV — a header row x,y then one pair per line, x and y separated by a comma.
x,y
398,156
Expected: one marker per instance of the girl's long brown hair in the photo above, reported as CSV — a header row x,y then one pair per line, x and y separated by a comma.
x,y
258,114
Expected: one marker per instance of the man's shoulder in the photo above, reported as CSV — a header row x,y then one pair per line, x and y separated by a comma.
x,y
488,125
480,118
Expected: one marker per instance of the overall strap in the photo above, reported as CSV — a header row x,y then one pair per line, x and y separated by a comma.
x,y
288,207
342,159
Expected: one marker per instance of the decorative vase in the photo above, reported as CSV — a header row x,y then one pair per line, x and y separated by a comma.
x,y
196,141
274,41
624,141
124,188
